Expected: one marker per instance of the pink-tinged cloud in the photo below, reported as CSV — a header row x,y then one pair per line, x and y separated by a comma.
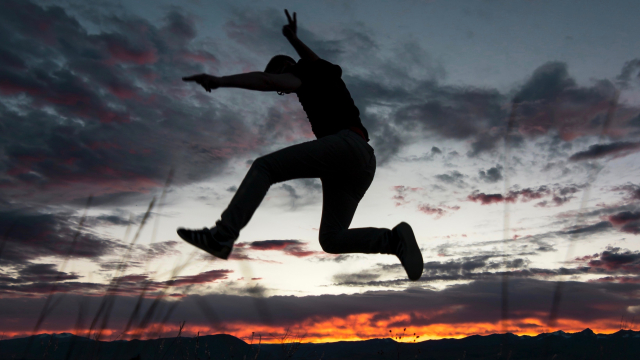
x,y
200,56
437,211
560,195
202,278
632,191
632,228
624,217
615,259
290,247
401,194
486,199
122,52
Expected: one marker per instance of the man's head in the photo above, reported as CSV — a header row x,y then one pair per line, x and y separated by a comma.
x,y
279,64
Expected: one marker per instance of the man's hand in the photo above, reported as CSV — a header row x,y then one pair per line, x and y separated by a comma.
x,y
208,82
290,30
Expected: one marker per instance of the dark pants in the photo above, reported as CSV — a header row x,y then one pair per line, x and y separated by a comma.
x,y
345,164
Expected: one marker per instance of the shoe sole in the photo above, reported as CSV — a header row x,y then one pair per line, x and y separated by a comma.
x,y
221,255
413,263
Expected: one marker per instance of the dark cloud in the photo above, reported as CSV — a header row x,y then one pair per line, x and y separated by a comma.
x,y
114,220
624,217
355,278
44,273
559,194
492,175
630,70
614,261
295,248
486,199
635,122
632,228
631,190
452,178
547,83
601,226
617,149
476,302
202,278
106,112
40,281
38,273
31,234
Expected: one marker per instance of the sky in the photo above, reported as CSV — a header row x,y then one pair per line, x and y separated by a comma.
x,y
506,133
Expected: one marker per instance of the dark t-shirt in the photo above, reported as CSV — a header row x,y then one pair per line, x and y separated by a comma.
x,y
325,98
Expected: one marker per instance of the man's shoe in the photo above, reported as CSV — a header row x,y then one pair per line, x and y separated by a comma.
x,y
204,239
408,251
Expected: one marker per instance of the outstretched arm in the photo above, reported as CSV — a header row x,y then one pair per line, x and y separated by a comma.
x,y
257,80
290,32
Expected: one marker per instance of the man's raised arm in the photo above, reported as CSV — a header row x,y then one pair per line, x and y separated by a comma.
x,y
290,32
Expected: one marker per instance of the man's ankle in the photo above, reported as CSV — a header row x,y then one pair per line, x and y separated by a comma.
x,y
392,243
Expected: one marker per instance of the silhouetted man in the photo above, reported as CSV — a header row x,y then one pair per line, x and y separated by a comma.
x,y
340,157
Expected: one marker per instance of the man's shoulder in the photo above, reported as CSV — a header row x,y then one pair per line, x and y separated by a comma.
x,y
319,67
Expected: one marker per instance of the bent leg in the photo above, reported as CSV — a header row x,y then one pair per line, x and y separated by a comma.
x,y
341,196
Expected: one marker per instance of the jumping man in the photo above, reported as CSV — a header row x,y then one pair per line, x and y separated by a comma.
x,y
340,157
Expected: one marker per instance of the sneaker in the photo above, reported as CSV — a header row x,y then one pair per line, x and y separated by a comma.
x,y
203,239
408,251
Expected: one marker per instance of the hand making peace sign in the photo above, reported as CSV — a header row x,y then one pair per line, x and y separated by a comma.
x,y
290,30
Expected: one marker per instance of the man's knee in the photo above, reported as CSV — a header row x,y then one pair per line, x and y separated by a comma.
x,y
261,166
328,242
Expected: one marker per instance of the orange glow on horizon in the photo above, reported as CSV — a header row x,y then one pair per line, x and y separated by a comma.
x,y
352,328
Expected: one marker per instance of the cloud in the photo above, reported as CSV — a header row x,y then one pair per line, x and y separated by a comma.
x,y
632,191
42,273
630,70
456,310
618,149
615,261
290,247
628,221
452,178
492,175
201,278
601,226
402,194
559,194
437,211
103,112
547,83
164,248
624,217
31,235
39,279
486,199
